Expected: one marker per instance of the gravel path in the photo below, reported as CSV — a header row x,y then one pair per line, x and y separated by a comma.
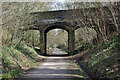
x,y
54,68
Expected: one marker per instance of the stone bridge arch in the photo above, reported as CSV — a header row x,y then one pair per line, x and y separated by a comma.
x,y
64,26
70,20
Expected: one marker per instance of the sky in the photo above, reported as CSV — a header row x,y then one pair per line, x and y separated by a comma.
x,y
60,0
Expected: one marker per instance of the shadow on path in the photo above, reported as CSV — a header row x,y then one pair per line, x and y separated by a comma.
x,y
54,68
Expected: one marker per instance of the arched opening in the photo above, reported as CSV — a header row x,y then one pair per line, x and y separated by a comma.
x,y
84,38
64,26
56,42
52,27
32,38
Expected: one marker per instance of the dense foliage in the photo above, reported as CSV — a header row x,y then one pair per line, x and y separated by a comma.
x,y
19,43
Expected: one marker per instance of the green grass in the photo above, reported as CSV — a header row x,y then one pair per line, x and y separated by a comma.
x,y
16,60
11,74
104,63
28,51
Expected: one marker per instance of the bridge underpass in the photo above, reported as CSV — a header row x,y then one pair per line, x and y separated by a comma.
x,y
71,36
57,42
60,67
71,20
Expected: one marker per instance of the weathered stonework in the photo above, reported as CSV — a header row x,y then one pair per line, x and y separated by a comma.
x,y
70,20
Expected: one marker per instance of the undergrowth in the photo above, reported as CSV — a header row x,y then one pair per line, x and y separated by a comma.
x,y
104,63
16,60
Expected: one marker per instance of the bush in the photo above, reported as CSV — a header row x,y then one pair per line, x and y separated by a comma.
x,y
16,59
11,74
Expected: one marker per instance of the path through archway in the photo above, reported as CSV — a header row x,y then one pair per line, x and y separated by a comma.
x,y
57,42
43,36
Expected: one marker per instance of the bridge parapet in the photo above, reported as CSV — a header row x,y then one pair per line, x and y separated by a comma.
x,y
73,19
74,16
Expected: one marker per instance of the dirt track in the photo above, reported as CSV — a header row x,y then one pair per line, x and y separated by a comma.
x,y
54,67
